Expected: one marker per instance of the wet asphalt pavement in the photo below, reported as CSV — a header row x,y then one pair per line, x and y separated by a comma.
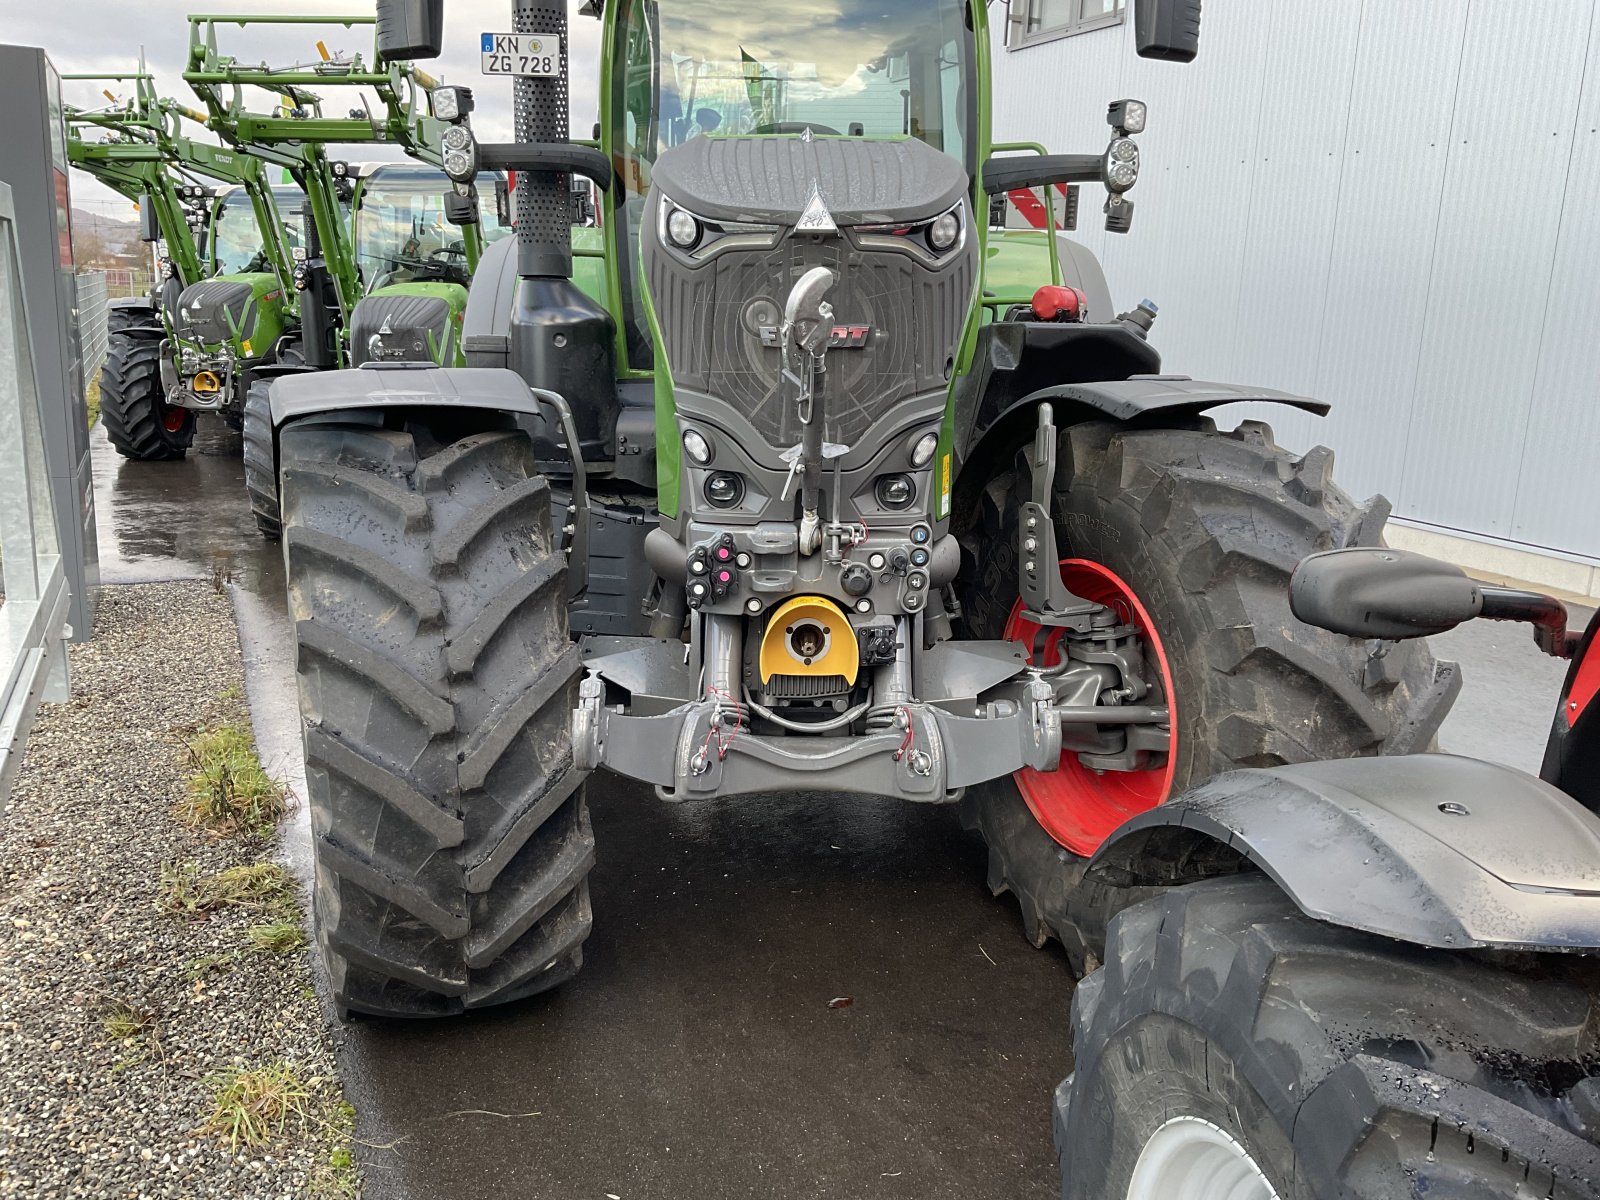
x,y
696,1055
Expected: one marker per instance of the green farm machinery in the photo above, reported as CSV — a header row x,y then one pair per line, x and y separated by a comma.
x,y
225,238
390,247
794,470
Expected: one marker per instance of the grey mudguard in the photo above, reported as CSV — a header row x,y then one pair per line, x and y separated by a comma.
x,y
1125,399
1430,849
401,387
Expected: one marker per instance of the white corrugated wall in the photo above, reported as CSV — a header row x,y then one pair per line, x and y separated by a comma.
x,y
1392,205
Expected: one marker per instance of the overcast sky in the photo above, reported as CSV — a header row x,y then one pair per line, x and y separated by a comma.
x,y
106,35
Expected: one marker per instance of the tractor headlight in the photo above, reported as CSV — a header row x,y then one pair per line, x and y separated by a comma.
x,y
341,170
922,450
724,489
696,447
896,491
944,231
450,103
683,230
1127,116
460,154
461,166
1121,164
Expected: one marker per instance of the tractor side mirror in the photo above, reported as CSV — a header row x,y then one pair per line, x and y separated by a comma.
x,y
149,227
410,29
1167,29
1379,593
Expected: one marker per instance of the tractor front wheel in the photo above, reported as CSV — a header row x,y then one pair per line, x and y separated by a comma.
x,y
1191,536
260,462
1233,1048
260,458
450,831
138,419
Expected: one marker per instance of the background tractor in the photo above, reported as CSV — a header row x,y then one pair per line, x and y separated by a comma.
x,y
223,298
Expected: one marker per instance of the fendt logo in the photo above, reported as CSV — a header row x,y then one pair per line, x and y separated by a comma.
x,y
842,337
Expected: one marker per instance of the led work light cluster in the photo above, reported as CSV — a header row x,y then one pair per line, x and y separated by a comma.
x,y
1120,171
453,106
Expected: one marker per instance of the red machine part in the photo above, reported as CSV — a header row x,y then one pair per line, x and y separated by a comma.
x,y
1052,303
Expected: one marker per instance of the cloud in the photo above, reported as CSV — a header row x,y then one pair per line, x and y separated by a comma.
x,y
83,36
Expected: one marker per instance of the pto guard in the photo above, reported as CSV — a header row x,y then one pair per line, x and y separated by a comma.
x,y
699,749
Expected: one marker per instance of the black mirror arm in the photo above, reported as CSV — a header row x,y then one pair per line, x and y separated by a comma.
x,y
1007,173
1546,614
547,156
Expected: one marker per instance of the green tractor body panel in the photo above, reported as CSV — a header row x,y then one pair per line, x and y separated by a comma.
x,y
1016,264
590,269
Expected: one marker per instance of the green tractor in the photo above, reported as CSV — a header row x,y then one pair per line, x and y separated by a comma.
x,y
792,469
222,302
390,247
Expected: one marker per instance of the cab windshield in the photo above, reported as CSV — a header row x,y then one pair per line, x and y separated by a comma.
x,y
236,246
853,68
401,232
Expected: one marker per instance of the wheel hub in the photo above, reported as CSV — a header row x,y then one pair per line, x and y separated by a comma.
x,y
1077,805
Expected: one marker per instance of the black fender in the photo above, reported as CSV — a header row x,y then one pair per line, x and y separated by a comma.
x,y
404,385
994,434
482,397
143,318
1429,849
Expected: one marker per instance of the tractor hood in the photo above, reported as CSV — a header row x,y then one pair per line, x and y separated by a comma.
x,y
224,308
771,180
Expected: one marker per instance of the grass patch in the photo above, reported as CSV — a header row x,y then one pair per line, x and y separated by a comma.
x,y
230,791
250,1106
265,889
123,1022
91,396
338,1178
278,937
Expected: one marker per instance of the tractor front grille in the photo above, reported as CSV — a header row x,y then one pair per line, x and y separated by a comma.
x,y
902,322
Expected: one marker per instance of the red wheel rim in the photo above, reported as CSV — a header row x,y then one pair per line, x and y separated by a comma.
x,y
1076,806
173,419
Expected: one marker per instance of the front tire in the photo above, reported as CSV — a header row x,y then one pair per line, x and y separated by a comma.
x,y
1340,1063
451,834
260,462
139,422
1203,529
260,458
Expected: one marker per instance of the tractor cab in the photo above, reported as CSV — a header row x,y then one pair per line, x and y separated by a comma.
x,y
236,244
403,235
861,71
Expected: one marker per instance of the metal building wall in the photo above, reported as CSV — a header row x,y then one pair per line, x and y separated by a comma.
x,y
1393,205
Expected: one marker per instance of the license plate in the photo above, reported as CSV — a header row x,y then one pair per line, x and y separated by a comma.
x,y
521,54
